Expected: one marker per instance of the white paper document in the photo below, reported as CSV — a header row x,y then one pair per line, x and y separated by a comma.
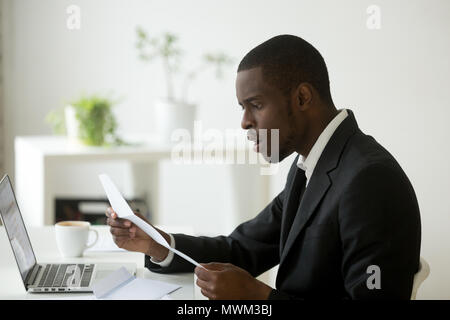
x,y
124,211
121,285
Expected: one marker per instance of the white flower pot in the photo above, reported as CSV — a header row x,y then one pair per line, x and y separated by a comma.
x,y
72,125
172,115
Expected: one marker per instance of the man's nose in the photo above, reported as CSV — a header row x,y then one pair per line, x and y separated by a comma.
x,y
247,121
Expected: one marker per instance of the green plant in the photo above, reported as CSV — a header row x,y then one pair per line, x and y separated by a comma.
x,y
166,48
97,124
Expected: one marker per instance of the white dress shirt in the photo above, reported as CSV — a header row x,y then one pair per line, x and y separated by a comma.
x,y
307,164
310,162
169,257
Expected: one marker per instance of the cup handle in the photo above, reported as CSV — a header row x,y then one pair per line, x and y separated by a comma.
x,y
95,241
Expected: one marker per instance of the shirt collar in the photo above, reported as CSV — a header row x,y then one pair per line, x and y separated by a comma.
x,y
309,163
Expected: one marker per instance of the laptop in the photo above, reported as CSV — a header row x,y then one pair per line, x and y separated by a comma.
x,y
46,277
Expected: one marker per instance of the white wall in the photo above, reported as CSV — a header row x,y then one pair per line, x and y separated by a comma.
x,y
395,79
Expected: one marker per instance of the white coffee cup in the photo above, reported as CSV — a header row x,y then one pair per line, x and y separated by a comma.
x,y
72,237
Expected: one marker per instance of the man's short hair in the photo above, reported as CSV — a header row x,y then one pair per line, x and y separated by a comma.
x,y
287,61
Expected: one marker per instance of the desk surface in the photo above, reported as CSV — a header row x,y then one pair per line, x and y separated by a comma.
x,y
45,249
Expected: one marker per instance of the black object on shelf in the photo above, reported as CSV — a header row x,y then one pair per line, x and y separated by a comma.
x,y
92,210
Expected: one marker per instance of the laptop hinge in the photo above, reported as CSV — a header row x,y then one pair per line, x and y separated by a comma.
x,y
31,277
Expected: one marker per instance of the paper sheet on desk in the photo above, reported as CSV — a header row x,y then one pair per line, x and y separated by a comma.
x,y
121,285
124,211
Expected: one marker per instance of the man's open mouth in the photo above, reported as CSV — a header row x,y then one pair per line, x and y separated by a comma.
x,y
253,137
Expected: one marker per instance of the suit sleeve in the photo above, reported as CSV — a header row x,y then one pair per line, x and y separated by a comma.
x,y
380,232
253,245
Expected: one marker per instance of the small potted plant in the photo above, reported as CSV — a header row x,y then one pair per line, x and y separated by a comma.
x,y
174,110
88,120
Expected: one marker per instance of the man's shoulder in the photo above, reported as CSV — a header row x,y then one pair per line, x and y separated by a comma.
x,y
363,154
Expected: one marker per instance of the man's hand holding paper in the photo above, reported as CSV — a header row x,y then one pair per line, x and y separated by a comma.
x,y
156,241
130,237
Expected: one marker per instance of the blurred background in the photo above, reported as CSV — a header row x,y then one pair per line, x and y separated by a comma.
x,y
388,61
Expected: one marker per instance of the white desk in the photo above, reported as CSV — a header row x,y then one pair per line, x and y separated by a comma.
x,y
45,249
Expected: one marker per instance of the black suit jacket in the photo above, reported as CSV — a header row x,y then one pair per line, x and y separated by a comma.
x,y
359,209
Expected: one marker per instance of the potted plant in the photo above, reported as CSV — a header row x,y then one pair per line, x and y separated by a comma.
x,y
174,110
88,120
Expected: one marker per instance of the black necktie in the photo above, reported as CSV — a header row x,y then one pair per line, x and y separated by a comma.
x,y
299,186
295,197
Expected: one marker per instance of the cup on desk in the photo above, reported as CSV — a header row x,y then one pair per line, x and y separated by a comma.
x,y
72,237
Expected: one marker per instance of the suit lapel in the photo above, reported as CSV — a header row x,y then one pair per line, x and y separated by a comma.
x,y
319,183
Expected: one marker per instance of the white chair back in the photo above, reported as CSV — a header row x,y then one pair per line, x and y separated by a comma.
x,y
420,276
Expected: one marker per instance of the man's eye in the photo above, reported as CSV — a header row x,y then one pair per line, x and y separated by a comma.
x,y
257,106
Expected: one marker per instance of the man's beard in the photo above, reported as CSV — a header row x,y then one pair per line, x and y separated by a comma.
x,y
285,150
281,150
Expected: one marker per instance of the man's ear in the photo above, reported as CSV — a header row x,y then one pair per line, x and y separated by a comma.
x,y
303,95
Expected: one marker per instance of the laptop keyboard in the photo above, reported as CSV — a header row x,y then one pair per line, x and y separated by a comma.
x,y
66,275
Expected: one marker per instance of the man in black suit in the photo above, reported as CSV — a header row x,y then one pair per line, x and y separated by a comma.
x,y
345,226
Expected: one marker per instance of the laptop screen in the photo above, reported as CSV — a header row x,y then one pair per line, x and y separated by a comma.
x,y
15,228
